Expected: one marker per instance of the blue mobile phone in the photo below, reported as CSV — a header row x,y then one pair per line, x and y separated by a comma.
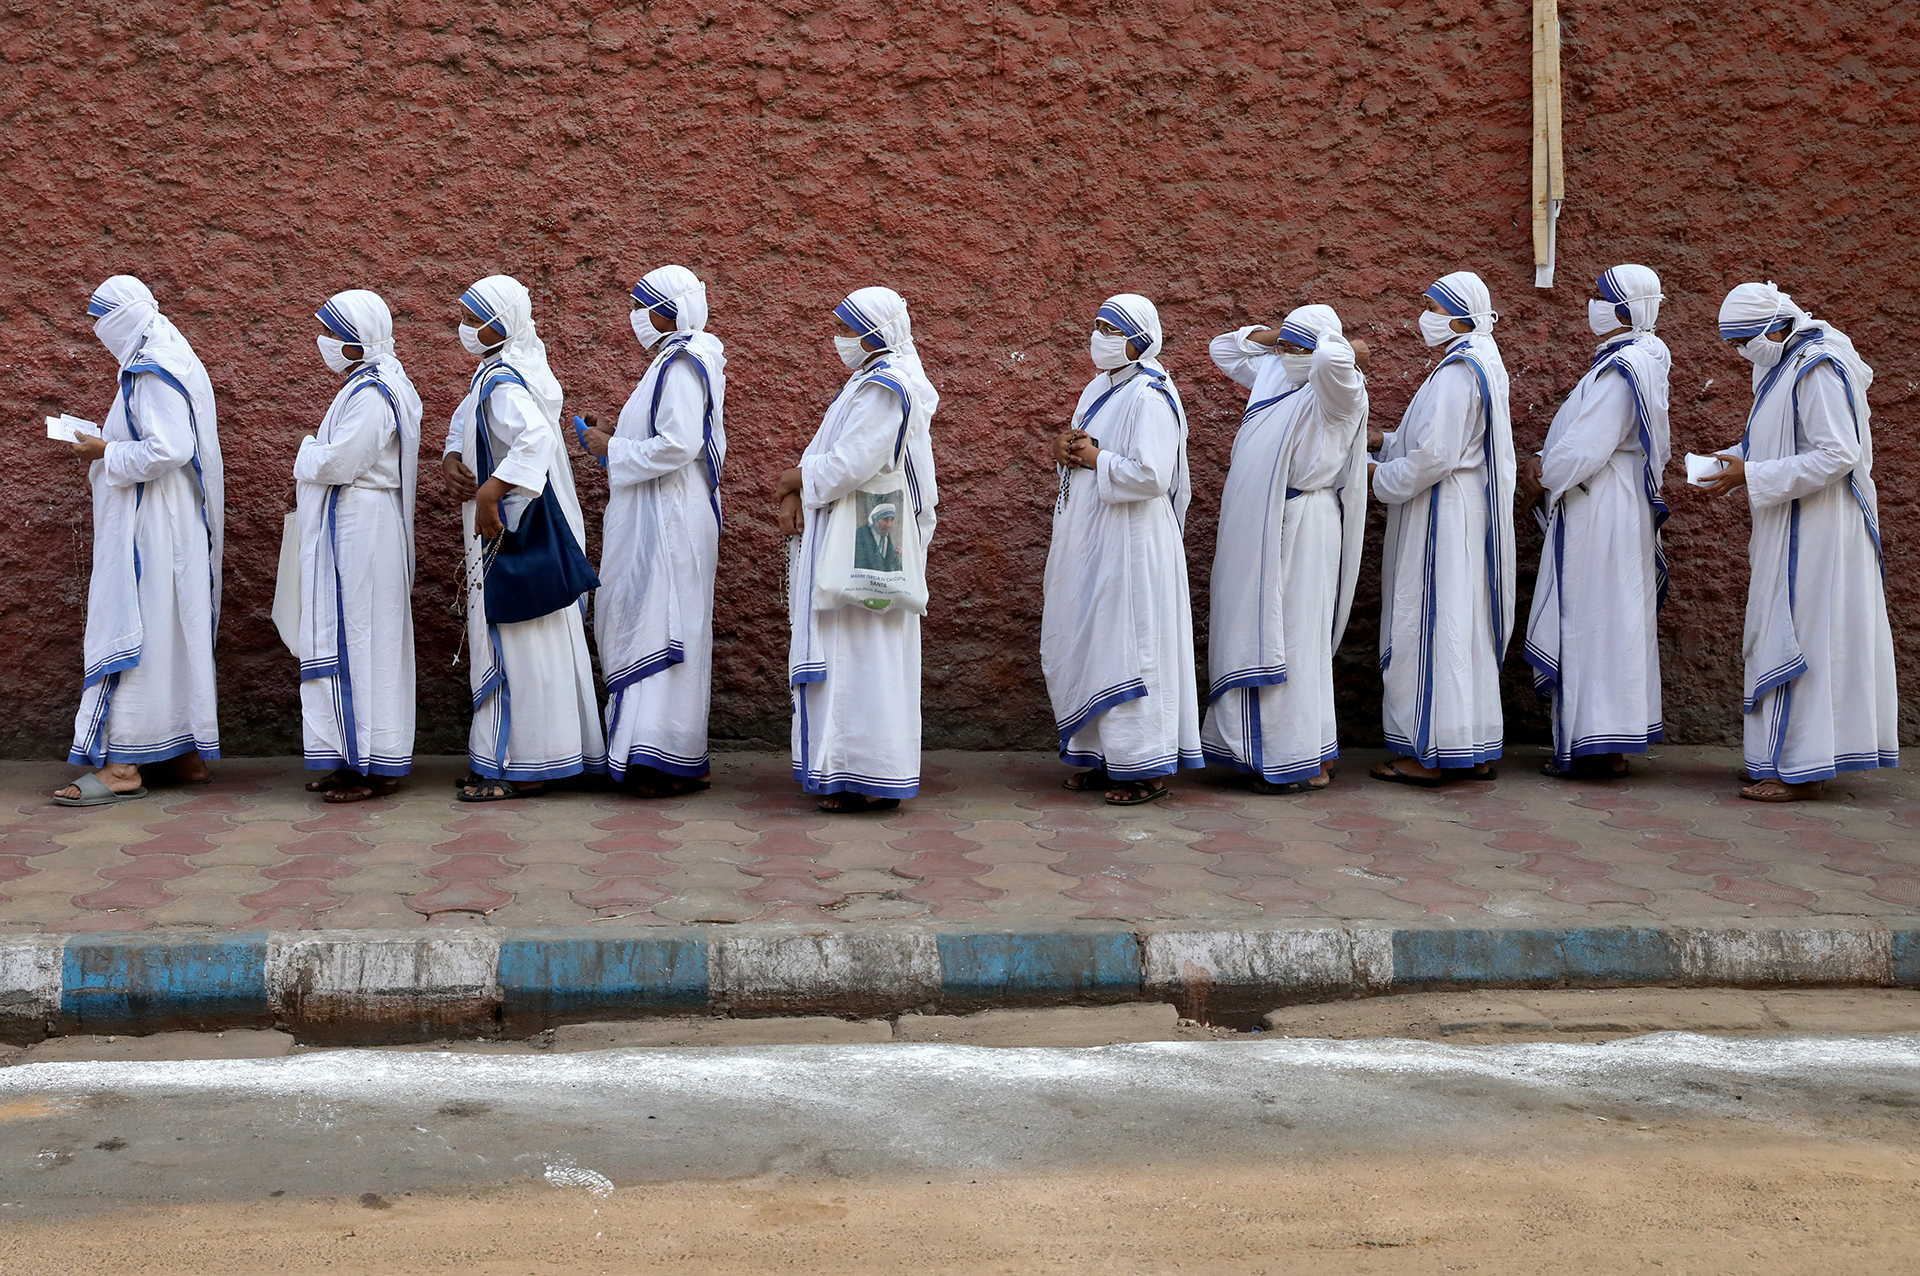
x,y
580,432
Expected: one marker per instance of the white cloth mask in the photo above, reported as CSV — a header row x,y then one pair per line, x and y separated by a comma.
x,y
643,328
1436,329
1600,317
1108,352
851,351
333,352
470,338
1762,352
1297,366
123,330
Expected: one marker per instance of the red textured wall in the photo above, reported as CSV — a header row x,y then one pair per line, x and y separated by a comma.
x,y
1005,167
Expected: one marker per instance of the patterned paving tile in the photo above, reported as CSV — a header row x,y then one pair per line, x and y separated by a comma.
x,y
993,838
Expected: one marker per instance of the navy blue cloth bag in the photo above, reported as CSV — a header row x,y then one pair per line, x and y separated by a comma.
x,y
539,567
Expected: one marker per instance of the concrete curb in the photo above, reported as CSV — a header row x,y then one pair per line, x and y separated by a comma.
x,y
401,985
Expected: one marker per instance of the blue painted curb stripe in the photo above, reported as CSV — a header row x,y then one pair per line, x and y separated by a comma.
x,y
987,967
1906,958
569,978
114,983
1533,956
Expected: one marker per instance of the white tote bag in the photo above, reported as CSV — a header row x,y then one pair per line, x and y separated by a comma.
x,y
870,552
286,585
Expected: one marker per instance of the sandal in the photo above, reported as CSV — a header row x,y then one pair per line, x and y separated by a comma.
x,y
364,788
1267,788
486,790
855,803
1139,793
338,778
1087,781
95,793
1807,792
1392,774
660,785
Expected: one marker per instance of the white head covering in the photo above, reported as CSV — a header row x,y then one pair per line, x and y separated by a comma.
x,y
1462,295
880,315
1635,294
1305,326
123,309
1751,309
505,303
882,511
1138,321
676,293
361,318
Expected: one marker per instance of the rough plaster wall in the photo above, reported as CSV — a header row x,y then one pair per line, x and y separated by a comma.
x,y
1005,167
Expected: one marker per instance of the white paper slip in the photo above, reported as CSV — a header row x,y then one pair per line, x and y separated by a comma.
x,y
1701,468
68,429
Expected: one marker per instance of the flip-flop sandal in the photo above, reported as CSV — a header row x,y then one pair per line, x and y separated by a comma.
x,y
1139,793
1087,782
470,780
865,804
378,786
1267,788
510,791
1394,775
94,793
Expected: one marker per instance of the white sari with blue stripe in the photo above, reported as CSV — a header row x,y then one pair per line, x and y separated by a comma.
x,y
1593,637
1447,572
659,550
535,714
1820,696
1116,635
153,600
1292,522
855,673
355,482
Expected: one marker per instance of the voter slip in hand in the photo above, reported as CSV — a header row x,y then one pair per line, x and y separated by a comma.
x,y
68,429
1701,468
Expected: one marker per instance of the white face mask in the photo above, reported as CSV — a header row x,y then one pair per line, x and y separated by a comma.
x,y
123,330
643,328
851,351
1109,352
1297,366
1436,329
470,338
1763,352
332,352
1601,319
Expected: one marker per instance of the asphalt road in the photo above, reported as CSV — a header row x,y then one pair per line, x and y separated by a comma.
x,y
127,1165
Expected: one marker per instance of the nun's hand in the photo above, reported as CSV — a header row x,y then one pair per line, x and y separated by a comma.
x,y
461,484
1362,353
486,509
1376,438
597,438
1084,452
793,521
1063,446
1532,490
1729,480
89,448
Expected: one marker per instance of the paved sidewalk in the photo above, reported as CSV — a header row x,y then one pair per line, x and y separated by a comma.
x,y
994,841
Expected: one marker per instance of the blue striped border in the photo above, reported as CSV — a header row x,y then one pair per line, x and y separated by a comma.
x,y
1016,967
114,983
562,978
